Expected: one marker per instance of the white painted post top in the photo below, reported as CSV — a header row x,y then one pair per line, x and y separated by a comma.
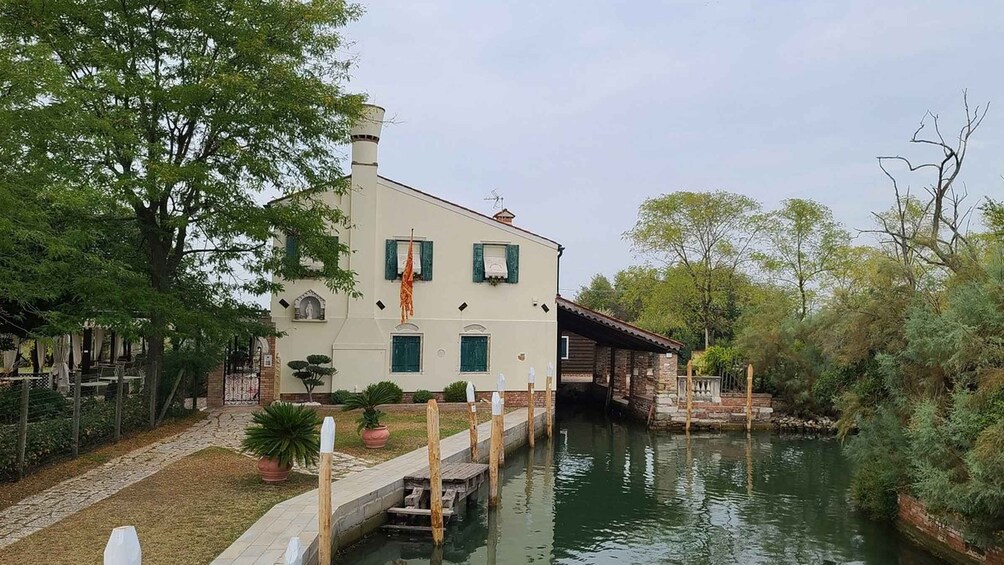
x,y
470,392
530,378
550,369
328,435
496,404
123,547
501,383
294,552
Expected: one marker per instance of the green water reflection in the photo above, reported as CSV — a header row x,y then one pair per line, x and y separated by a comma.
x,y
608,492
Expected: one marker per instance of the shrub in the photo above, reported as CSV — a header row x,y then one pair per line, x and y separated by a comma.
x,y
43,404
283,431
421,396
455,392
372,396
339,396
398,392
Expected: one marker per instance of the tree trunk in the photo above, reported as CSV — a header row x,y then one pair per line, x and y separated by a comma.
x,y
155,363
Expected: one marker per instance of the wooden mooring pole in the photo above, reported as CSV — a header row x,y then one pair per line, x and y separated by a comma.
x,y
324,492
435,474
530,433
690,392
501,390
494,452
749,397
548,402
472,421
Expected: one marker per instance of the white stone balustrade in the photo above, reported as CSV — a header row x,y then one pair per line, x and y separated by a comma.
x,y
706,389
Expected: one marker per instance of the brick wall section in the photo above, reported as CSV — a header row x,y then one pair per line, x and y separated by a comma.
x,y
622,372
602,367
214,388
267,386
941,537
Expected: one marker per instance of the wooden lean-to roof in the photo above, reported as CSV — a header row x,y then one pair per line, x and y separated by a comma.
x,y
609,331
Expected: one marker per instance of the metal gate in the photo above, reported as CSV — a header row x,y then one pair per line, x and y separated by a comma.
x,y
242,373
241,389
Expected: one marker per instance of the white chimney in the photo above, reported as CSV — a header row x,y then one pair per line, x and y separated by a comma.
x,y
360,330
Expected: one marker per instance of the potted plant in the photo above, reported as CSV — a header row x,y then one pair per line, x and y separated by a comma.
x,y
374,433
282,434
312,372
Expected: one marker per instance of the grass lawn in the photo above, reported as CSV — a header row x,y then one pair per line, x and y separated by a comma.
x,y
51,475
407,429
188,512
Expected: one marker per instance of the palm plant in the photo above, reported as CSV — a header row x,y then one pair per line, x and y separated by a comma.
x,y
285,432
368,400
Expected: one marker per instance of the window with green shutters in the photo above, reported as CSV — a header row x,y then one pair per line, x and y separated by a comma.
x,y
511,252
422,255
406,354
474,354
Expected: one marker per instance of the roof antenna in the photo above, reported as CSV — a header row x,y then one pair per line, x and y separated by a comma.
x,y
497,200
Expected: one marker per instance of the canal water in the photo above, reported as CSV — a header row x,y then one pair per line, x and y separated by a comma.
x,y
604,491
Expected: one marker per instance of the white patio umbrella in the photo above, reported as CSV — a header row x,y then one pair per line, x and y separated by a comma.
x,y
76,340
10,355
61,363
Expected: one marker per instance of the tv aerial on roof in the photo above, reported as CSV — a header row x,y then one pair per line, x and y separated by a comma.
x,y
498,202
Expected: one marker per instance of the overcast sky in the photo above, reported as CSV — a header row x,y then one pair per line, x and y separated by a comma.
x,y
577,111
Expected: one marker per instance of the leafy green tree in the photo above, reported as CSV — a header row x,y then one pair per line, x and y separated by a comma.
x,y
805,245
600,295
709,235
170,120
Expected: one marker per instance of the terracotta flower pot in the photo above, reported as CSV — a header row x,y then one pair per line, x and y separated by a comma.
x,y
271,472
376,437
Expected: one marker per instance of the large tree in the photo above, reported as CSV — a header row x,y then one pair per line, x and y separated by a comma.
x,y
708,234
805,245
174,119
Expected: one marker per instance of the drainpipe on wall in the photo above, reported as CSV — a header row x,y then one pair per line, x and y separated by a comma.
x,y
557,350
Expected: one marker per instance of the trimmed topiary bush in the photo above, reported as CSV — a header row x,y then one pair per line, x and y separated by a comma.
x,y
339,396
397,392
455,392
422,396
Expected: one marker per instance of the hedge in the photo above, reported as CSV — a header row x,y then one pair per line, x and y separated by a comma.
x,y
51,439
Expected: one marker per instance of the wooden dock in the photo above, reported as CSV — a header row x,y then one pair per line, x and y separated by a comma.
x,y
460,485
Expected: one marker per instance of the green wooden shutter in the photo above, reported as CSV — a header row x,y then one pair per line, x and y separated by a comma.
x,y
512,262
473,354
406,354
292,248
426,250
478,274
390,270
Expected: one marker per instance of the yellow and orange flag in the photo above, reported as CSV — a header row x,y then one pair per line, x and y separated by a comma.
x,y
408,282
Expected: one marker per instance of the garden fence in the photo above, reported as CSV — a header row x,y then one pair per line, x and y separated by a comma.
x,y
39,425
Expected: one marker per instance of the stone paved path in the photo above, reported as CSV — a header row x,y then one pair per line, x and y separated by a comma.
x,y
224,428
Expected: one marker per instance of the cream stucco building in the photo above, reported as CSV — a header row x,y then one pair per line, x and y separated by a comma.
x,y
484,294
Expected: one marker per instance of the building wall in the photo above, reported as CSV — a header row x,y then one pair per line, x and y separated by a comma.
x,y
356,333
581,352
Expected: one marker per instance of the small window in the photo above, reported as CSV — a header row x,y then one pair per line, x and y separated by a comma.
x,y
402,257
406,354
564,347
474,354
495,262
